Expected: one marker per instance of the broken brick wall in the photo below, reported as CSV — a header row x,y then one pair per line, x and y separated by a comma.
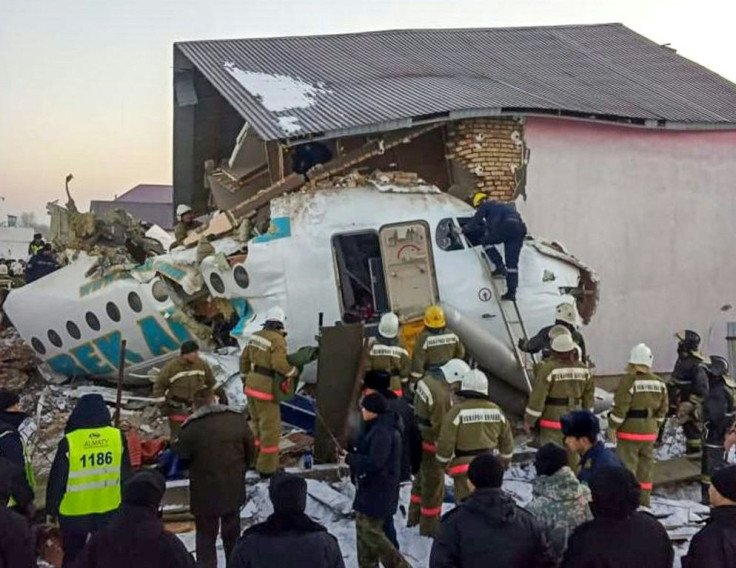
x,y
489,155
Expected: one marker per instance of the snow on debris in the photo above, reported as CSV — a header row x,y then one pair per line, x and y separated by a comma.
x,y
289,124
276,92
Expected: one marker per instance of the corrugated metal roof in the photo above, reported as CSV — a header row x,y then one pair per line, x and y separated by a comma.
x,y
383,80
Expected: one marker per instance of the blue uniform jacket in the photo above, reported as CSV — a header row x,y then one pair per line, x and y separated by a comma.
x,y
489,214
596,457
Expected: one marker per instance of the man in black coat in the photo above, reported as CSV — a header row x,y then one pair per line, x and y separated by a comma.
x,y
715,545
219,445
11,448
136,537
16,542
90,413
288,538
375,465
488,528
41,264
618,536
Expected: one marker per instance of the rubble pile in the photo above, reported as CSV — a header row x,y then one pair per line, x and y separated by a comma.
x,y
17,360
358,179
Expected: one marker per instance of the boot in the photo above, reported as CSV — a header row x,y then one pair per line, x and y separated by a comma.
x,y
509,297
499,273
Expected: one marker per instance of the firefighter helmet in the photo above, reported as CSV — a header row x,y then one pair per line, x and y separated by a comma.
x,y
475,380
563,344
276,314
566,312
478,198
689,339
181,209
557,330
454,370
388,327
434,317
641,355
718,366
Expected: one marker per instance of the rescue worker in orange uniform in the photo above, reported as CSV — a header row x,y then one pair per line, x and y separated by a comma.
x,y
264,368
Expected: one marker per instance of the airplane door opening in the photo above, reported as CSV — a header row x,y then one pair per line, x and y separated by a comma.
x,y
407,262
360,277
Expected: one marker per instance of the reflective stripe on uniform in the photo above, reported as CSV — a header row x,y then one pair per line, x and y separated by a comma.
x,y
257,394
646,486
259,343
534,413
438,340
630,437
379,350
615,418
182,374
178,417
429,447
648,385
479,415
93,479
427,512
269,449
416,499
550,424
399,392
565,374
459,469
424,393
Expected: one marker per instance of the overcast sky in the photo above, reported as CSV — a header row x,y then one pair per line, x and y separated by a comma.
x,y
85,85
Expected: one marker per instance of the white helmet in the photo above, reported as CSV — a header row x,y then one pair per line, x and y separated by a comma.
x,y
276,314
566,312
181,209
454,370
557,330
389,325
641,355
475,380
563,344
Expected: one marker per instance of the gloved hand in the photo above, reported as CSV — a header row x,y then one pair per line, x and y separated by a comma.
x,y
285,386
521,343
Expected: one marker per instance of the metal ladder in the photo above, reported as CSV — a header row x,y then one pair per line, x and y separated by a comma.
x,y
515,328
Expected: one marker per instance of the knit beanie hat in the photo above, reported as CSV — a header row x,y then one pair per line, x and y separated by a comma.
x,y
724,480
288,493
486,472
8,399
145,489
581,424
550,459
615,492
377,380
375,403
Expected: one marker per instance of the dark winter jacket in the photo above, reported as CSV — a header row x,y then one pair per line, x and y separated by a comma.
x,y
489,529
39,266
11,449
596,457
219,445
90,412
411,437
17,549
135,538
287,541
375,466
715,545
638,541
718,410
490,215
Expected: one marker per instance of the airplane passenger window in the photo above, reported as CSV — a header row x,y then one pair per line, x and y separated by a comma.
x,y
159,291
217,284
446,236
92,321
38,346
73,330
113,312
241,276
54,338
134,301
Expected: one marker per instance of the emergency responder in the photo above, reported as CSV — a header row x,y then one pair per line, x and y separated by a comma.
x,y
41,264
432,400
84,484
565,316
178,382
561,385
718,413
187,223
688,389
11,448
639,409
386,354
265,368
497,223
35,246
435,345
473,426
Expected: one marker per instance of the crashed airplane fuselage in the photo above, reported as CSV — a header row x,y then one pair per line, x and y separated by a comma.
x,y
330,255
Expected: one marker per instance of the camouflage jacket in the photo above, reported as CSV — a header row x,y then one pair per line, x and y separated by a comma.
x,y
560,504
434,348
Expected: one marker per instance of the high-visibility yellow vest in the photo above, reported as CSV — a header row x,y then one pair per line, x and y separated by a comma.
x,y
28,469
95,463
